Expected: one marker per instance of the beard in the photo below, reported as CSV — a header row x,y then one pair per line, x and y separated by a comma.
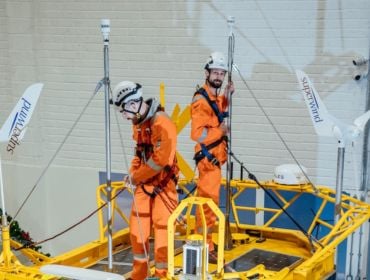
x,y
215,83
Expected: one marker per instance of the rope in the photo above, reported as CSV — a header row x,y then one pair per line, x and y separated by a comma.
x,y
52,158
275,129
27,245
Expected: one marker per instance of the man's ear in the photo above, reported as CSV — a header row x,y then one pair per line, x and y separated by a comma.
x,y
206,72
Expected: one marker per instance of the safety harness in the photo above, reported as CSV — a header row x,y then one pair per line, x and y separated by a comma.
x,y
144,151
204,152
220,115
172,174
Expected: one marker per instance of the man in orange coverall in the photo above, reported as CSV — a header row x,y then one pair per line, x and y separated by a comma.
x,y
208,129
154,172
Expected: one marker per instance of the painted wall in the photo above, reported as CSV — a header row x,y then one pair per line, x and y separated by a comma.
x,y
60,44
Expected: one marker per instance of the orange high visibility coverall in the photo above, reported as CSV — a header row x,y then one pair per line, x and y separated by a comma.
x,y
205,129
148,171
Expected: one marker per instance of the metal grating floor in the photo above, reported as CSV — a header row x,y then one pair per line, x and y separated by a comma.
x,y
271,260
122,261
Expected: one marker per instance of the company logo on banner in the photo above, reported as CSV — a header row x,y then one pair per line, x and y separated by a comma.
x,y
312,101
18,127
322,120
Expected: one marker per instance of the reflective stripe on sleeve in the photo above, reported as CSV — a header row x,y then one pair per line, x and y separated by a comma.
x,y
161,265
153,165
203,135
139,257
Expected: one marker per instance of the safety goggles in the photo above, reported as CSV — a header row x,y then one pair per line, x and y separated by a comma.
x,y
128,107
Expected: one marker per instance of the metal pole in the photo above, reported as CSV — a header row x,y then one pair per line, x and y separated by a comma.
x,y
359,254
365,164
339,188
349,275
365,150
339,183
228,237
105,28
6,254
3,218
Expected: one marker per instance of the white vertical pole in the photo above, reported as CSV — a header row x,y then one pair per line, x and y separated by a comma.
x,y
4,221
228,238
105,28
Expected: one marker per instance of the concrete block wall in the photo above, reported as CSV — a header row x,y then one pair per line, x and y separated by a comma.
x,y
60,44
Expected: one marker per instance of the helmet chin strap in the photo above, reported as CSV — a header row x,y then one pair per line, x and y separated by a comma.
x,y
137,113
138,116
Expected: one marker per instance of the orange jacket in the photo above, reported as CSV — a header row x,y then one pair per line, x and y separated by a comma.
x,y
158,130
205,127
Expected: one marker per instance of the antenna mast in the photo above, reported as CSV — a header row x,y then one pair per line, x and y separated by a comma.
x,y
105,29
229,164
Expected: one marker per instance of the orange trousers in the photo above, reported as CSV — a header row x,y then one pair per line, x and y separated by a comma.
x,y
151,212
208,186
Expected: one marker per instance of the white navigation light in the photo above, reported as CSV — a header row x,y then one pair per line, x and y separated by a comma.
x,y
192,260
105,28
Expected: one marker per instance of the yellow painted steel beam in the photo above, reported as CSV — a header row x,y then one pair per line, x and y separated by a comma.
x,y
162,98
90,253
185,168
34,256
180,119
25,273
101,198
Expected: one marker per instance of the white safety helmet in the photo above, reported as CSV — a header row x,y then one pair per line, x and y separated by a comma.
x,y
126,91
216,61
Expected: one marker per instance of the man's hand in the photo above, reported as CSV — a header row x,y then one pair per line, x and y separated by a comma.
x,y
229,89
135,163
129,180
224,128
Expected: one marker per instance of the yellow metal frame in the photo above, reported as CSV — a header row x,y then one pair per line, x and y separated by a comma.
x,y
316,264
320,261
101,198
11,268
84,256
177,215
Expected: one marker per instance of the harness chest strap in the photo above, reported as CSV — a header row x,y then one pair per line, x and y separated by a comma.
x,y
204,152
220,115
171,171
145,150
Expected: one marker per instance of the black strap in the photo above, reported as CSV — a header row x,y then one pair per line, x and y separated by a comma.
x,y
171,175
151,194
213,104
172,172
204,152
144,149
